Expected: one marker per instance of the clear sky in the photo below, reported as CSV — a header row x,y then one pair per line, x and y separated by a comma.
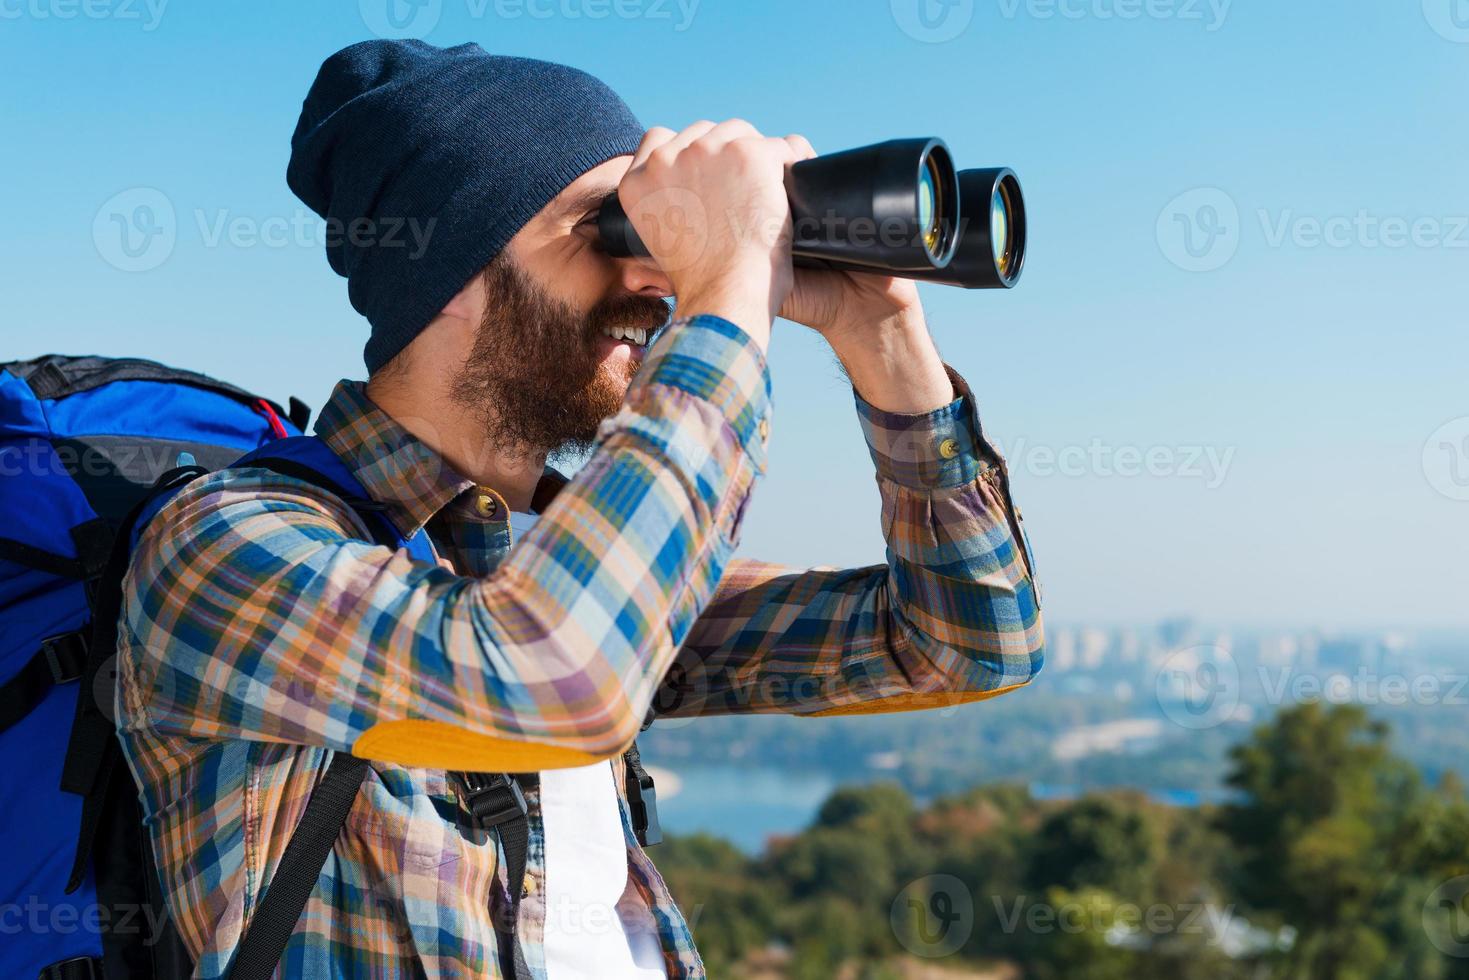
x,y
1231,381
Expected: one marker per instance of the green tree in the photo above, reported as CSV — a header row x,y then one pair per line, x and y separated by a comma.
x,y
1327,832
1101,842
1078,946
731,910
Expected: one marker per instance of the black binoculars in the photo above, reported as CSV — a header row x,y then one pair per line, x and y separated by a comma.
x,y
897,208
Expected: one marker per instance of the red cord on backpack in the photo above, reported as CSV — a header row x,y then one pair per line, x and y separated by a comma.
x,y
276,425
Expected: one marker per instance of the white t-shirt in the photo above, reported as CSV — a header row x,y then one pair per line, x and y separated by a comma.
x,y
587,935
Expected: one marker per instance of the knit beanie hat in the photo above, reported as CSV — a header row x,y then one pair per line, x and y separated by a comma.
x,y
425,161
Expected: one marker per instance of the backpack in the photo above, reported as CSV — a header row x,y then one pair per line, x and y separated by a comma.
x,y
90,449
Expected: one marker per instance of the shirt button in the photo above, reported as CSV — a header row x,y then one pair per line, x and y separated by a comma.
x,y
948,449
528,888
485,505
764,430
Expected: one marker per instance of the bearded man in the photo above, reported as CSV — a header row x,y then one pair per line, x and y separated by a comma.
x,y
268,633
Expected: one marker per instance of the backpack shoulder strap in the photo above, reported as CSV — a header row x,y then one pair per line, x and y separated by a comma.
x,y
92,749
270,928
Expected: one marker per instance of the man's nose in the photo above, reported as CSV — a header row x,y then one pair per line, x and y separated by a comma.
x,y
642,277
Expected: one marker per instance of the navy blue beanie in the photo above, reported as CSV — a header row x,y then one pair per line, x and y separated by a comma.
x,y
426,161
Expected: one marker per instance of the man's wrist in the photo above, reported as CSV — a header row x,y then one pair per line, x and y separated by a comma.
x,y
893,365
747,308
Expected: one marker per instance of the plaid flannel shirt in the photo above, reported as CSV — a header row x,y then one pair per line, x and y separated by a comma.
x,y
261,631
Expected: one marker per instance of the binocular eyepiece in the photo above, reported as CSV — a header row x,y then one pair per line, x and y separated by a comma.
x,y
897,208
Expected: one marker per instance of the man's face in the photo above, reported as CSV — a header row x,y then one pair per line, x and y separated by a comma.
x,y
564,325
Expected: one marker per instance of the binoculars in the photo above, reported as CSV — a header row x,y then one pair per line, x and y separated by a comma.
x,y
897,208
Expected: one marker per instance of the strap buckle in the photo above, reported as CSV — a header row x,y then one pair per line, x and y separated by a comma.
x,y
490,799
76,968
643,802
66,655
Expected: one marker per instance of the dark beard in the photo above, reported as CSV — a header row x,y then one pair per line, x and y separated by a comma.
x,y
534,374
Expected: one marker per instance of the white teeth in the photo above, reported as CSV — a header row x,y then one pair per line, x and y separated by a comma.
x,y
636,335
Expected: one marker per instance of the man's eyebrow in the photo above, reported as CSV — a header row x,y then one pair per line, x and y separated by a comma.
x,y
586,201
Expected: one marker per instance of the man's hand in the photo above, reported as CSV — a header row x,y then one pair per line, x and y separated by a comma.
x,y
710,204
875,326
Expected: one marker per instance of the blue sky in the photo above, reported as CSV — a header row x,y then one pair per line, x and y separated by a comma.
x,y
1272,428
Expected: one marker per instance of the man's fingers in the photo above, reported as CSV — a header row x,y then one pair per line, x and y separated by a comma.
x,y
801,146
729,131
689,133
652,139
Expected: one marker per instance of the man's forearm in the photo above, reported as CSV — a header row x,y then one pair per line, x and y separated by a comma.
x,y
896,367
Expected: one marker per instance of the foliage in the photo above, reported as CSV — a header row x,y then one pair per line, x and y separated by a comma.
x,y
1321,871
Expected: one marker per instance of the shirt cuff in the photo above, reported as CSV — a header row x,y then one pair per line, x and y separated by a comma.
x,y
929,451
711,358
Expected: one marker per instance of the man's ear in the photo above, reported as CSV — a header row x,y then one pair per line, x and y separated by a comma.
x,y
469,303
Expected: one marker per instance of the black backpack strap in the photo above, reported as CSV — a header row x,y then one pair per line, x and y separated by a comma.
x,y
60,660
642,799
92,540
285,897
39,558
76,968
495,801
299,413
93,754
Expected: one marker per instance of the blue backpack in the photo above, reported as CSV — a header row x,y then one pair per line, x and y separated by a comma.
x,y
92,448
82,442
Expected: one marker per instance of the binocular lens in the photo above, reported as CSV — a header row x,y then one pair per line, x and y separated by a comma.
x,y
991,251
930,205
1000,229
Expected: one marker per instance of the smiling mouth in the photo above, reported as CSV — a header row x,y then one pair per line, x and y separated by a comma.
x,y
637,336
